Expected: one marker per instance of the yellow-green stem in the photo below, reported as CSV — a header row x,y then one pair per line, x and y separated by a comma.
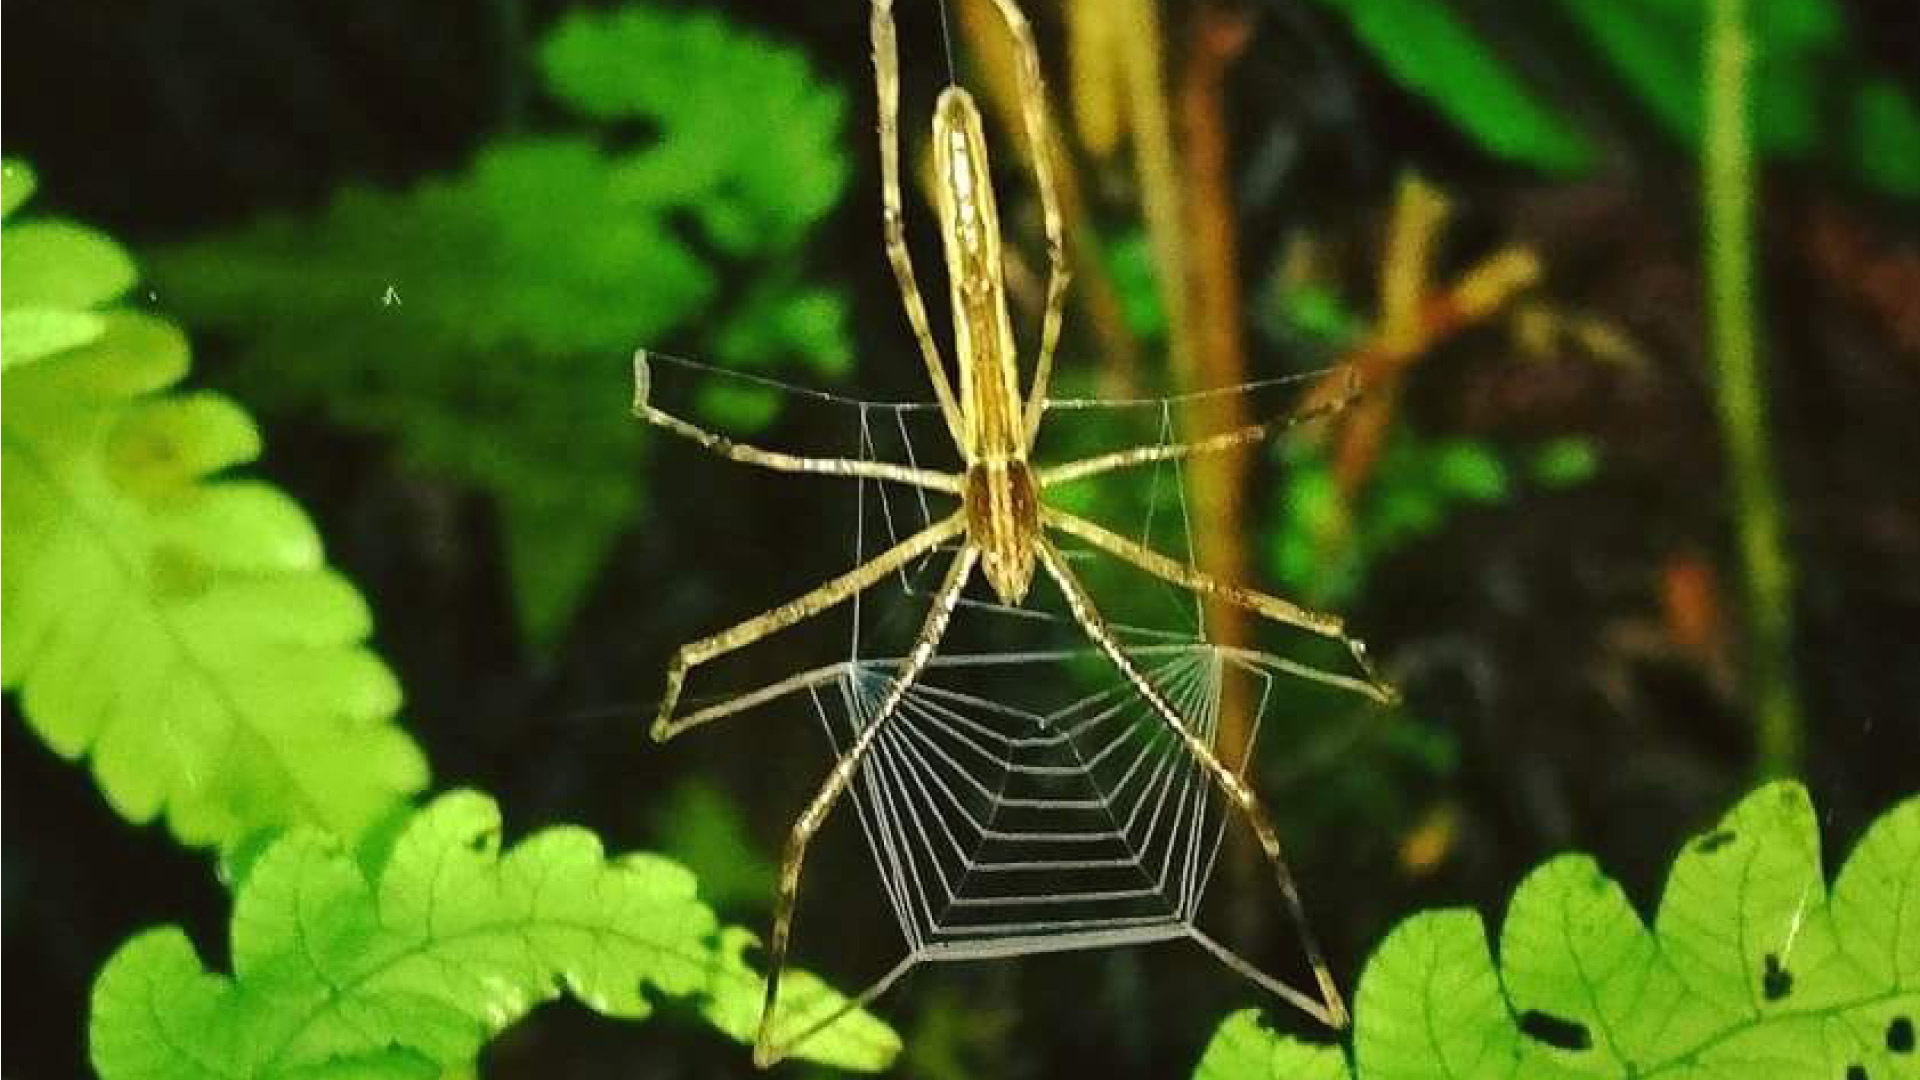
x,y
1727,167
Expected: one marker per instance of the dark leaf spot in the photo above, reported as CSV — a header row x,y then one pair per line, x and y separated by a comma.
x,y
1900,1035
1857,1072
1555,1030
1713,841
1776,982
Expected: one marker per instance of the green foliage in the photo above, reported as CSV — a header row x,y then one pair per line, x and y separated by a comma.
x,y
702,826
1426,47
176,625
1887,138
1322,548
1653,47
180,627
1803,60
1565,462
406,963
56,273
1753,968
1129,258
484,320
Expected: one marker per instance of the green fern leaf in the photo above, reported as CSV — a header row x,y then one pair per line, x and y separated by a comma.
x,y
176,626
748,138
55,273
1752,969
1243,1049
411,965
485,320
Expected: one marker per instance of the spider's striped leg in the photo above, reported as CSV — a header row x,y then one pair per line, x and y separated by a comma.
x,y
746,453
773,620
1033,106
1209,444
1272,607
1330,1010
886,81
765,1050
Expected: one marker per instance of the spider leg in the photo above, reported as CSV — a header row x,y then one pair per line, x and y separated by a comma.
x,y
765,1050
1210,444
821,598
1033,104
1179,573
644,408
886,78
1330,1009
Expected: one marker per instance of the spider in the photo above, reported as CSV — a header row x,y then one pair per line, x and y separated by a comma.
x,y
1003,527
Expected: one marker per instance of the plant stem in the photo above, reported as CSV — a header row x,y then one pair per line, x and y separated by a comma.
x,y
1727,168
1215,347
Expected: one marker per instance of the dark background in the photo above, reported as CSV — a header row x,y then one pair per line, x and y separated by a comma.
x,y
1513,628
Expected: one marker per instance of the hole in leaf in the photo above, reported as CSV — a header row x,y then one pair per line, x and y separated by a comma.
x,y
1857,1071
1776,982
1555,1030
1900,1035
1714,841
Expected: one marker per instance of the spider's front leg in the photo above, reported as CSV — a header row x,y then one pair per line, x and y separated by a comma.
x,y
1033,109
748,454
886,82
822,598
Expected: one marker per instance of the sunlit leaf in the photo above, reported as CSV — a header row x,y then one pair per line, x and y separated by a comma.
x,y
1751,969
1244,1049
177,627
57,264
409,967
16,185
31,333
734,996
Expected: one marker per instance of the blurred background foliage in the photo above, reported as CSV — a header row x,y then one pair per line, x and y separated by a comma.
x,y
503,280
421,241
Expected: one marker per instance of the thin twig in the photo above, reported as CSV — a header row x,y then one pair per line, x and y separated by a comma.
x,y
1727,170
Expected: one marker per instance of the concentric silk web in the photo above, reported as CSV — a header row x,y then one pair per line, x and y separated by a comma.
x,y
1025,800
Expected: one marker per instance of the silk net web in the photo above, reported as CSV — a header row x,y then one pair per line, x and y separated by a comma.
x,y
1024,798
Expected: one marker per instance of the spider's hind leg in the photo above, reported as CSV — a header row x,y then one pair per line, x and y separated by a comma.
x,y
1330,1009
765,1050
1285,612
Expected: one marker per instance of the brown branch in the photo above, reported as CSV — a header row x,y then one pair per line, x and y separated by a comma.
x,y
1217,347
